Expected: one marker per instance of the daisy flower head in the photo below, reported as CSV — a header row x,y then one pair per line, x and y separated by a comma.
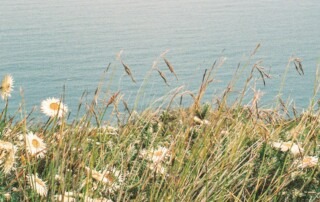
x,y
6,145
37,184
7,156
112,178
294,148
155,155
158,168
6,86
308,162
53,107
8,165
35,145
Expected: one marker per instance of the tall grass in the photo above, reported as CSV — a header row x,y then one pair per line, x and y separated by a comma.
x,y
201,152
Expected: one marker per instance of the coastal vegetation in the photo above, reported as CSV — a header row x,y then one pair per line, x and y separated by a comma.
x,y
207,151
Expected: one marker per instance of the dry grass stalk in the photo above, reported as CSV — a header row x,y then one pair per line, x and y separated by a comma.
x,y
128,71
174,95
126,67
170,67
261,71
126,107
257,94
95,98
112,98
91,109
284,108
256,49
205,82
163,76
108,67
297,63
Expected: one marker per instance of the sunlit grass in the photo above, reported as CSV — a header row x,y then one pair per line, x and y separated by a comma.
x,y
202,152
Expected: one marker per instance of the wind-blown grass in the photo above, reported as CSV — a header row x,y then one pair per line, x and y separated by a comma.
x,y
201,152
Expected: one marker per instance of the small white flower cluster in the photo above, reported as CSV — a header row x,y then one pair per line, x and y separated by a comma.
x,y
308,162
200,122
110,177
297,151
33,144
294,148
156,158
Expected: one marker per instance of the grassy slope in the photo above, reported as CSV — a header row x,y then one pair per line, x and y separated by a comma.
x,y
225,154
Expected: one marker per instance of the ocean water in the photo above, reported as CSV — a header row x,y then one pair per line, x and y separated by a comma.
x,y
62,47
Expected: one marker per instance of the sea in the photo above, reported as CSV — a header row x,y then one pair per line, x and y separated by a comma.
x,y
68,48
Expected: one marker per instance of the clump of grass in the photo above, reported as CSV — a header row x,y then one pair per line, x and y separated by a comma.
x,y
230,152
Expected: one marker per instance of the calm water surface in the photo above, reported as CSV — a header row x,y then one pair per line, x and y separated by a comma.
x,y
48,44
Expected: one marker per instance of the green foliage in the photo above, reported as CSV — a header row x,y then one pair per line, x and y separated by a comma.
x,y
204,111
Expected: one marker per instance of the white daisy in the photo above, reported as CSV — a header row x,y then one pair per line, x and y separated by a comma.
x,y
6,145
37,184
294,148
9,162
53,107
155,155
308,162
7,156
158,168
6,86
35,145
110,177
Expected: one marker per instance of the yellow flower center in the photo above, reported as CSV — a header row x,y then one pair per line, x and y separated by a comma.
x,y
287,144
158,153
110,178
6,84
6,88
40,182
306,160
35,143
54,106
